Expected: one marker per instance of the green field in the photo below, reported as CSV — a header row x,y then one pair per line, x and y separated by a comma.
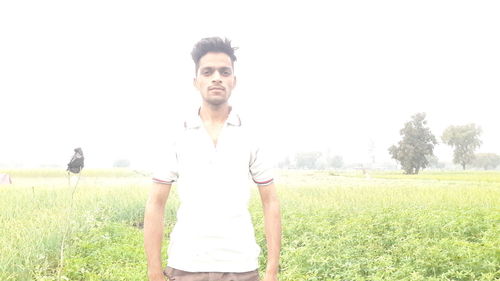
x,y
336,226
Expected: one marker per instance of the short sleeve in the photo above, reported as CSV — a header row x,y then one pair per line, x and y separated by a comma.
x,y
261,166
166,171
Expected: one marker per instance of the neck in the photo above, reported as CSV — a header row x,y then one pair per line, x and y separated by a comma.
x,y
214,114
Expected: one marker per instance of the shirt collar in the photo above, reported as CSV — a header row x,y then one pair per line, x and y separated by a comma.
x,y
194,121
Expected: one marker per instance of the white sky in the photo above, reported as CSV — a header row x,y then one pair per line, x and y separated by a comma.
x,y
107,75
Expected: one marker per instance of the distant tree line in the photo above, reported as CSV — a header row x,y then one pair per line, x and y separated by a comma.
x,y
415,151
312,160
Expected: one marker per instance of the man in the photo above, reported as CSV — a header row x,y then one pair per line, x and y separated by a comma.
x,y
211,159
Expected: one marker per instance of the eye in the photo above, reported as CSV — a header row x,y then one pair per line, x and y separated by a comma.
x,y
226,72
206,71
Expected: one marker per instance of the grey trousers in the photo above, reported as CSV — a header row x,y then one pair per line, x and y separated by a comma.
x,y
180,275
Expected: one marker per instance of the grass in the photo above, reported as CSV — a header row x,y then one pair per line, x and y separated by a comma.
x,y
432,226
472,176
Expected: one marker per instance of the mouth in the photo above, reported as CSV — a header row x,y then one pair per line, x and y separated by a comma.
x,y
216,89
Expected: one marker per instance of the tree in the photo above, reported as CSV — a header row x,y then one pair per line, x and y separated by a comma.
x,y
417,145
285,163
335,161
486,160
464,139
434,162
307,160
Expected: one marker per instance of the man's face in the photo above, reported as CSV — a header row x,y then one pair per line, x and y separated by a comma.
x,y
214,78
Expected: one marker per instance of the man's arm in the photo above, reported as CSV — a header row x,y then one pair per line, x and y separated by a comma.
x,y
153,229
272,225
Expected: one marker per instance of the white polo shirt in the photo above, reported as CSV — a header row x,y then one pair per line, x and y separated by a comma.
x,y
214,231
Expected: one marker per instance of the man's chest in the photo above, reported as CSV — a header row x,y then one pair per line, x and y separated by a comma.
x,y
196,150
208,171
213,132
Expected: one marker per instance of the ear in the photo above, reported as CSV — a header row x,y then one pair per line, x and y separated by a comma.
x,y
234,84
195,83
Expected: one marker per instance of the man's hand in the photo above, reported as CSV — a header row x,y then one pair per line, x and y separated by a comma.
x,y
270,277
156,276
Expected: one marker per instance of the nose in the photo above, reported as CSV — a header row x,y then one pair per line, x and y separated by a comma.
x,y
216,77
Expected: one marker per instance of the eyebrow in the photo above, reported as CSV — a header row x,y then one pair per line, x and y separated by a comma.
x,y
222,68
211,67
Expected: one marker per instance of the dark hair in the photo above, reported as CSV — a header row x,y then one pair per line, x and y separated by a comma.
x,y
212,44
